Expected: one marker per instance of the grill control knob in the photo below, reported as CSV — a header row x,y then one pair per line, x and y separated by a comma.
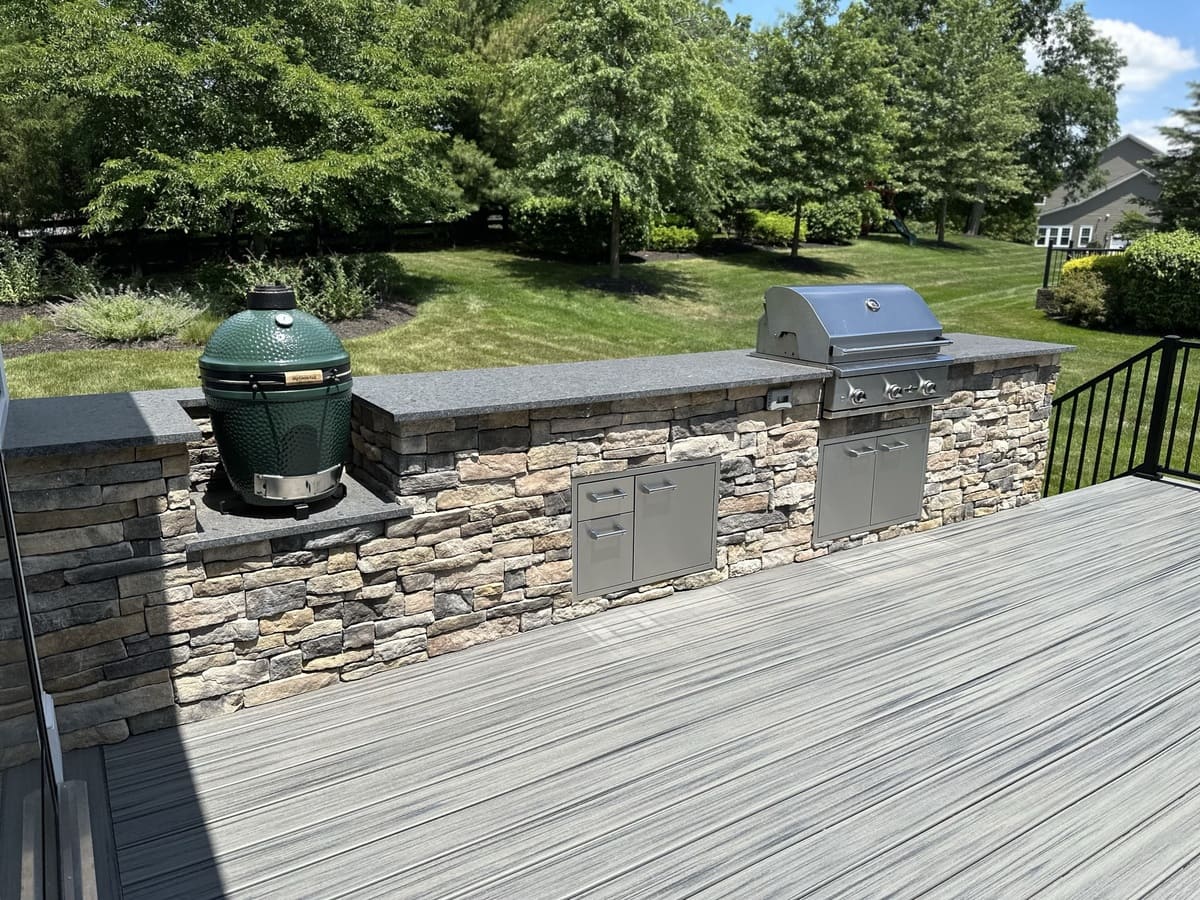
x,y
893,391
858,395
928,388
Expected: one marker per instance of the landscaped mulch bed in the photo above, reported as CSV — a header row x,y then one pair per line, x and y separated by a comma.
x,y
384,316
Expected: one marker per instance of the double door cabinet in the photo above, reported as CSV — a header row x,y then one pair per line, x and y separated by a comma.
x,y
644,525
870,480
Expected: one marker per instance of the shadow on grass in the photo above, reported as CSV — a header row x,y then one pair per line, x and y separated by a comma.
x,y
759,259
639,282
397,283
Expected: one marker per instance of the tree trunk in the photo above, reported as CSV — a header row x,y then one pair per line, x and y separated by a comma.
x,y
796,229
941,222
614,239
975,219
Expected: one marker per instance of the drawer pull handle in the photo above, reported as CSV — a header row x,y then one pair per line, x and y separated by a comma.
x,y
665,486
862,452
599,535
616,494
899,445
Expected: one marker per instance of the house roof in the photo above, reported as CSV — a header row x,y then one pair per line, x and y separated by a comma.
x,y
1104,190
1129,136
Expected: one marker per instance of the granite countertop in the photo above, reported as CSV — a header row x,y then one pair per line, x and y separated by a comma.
x,y
359,506
49,426
978,347
71,425
436,395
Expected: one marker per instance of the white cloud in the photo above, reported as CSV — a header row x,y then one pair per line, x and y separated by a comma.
x,y
1151,58
1147,129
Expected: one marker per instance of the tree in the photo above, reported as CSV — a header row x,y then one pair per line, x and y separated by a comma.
x,y
632,99
1178,171
1075,103
822,126
222,116
963,95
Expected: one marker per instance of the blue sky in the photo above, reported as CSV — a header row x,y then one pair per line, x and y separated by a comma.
x,y
1160,38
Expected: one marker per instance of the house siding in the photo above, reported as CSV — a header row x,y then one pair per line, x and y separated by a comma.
x,y
1111,203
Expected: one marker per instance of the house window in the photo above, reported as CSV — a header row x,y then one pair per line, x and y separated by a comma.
x,y
1054,236
1085,235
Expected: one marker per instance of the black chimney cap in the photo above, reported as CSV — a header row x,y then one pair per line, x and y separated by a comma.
x,y
270,296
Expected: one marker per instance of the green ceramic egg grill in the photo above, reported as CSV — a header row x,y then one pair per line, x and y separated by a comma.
x,y
278,384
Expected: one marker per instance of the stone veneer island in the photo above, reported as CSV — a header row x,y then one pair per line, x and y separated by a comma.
x,y
152,609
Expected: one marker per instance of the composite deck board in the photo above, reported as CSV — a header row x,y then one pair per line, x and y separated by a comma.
x,y
1000,708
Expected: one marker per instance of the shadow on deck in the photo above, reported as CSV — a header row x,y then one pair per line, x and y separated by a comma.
x,y
991,709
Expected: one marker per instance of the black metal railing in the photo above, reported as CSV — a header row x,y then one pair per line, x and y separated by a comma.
x,y
1139,417
1057,256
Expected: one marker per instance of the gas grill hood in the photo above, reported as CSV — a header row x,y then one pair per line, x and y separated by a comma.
x,y
881,343
842,325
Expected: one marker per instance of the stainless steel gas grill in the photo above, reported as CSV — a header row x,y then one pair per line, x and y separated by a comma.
x,y
881,342
883,348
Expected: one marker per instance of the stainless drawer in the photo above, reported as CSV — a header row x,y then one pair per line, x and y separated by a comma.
x,y
603,553
609,497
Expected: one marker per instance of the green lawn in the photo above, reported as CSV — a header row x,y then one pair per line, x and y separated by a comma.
x,y
483,307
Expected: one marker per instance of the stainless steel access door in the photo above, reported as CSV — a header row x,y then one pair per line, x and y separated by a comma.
x,y
673,521
846,473
899,476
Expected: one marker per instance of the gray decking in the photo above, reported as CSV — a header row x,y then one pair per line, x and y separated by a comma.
x,y
996,709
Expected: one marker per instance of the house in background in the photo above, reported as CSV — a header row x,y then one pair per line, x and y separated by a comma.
x,y
1091,220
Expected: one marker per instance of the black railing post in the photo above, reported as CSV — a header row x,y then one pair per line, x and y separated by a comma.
x,y
1049,253
1162,403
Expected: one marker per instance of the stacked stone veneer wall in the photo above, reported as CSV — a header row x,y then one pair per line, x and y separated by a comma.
x,y
99,534
136,633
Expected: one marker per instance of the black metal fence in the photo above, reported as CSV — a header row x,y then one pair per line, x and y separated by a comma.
x,y
1139,417
1056,256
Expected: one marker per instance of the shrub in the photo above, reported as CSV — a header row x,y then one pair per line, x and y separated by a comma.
x,y
833,222
1134,225
20,275
61,276
330,288
773,229
1082,297
336,290
200,329
126,314
577,229
1161,290
673,238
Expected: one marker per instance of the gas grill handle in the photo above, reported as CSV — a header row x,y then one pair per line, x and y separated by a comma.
x,y
665,486
839,352
600,535
616,494
862,452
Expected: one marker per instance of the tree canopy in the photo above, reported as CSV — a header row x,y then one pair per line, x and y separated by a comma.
x,y
1178,171
822,129
220,115
632,99
249,117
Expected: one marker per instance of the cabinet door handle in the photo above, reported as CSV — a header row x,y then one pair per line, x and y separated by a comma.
x,y
899,445
862,452
600,535
665,486
616,494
